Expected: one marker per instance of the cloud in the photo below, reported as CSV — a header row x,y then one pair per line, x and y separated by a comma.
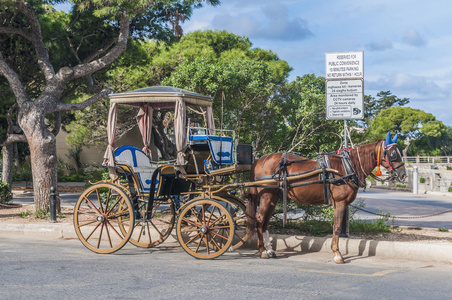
x,y
424,93
379,46
272,22
413,38
407,84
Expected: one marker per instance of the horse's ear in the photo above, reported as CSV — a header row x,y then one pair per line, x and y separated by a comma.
x,y
388,138
394,140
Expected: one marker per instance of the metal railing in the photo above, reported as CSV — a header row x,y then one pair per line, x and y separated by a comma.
x,y
428,159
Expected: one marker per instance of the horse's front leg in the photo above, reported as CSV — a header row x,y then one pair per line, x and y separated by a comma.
x,y
266,208
337,225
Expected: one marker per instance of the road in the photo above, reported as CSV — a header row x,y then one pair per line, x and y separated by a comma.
x,y
64,269
408,206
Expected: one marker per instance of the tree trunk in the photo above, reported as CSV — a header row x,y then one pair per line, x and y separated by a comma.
x,y
43,156
405,151
7,174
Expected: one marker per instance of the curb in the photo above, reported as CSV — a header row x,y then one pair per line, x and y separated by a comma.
x,y
427,252
432,252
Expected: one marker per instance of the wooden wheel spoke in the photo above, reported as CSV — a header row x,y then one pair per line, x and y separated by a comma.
x,y
219,235
222,217
155,227
193,223
114,205
193,238
88,223
100,201
95,228
149,233
215,242
100,235
114,229
94,206
108,234
196,214
140,233
207,244
211,215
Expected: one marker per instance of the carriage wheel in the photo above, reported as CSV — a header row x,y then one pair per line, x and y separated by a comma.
x,y
205,229
104,218
154,231
237,209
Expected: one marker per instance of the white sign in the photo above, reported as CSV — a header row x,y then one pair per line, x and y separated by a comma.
x,y
344,99
344,65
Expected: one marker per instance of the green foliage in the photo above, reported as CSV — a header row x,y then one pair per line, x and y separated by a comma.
x,y
409,122
443,229
72,178
373,106
301,125
23,175
377,226
5,192
41,214
421,180
25,214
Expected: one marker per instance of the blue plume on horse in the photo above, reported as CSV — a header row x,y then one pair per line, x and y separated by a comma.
x,y
394,140
388,138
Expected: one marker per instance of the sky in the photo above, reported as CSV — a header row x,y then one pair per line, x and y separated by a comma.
x,y
407,44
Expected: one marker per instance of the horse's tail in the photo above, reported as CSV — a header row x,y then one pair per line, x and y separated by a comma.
x,y
251,208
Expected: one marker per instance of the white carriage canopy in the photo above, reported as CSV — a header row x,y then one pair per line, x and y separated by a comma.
x,y
150,98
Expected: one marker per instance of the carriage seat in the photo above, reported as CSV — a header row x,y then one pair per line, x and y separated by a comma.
x,y
221,147
138,161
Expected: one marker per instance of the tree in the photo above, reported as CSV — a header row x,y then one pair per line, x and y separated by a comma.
x,y
373,106
241,80
208,62
411,124
301,104
110,21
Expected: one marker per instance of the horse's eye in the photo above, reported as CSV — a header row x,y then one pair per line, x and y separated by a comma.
x,y
393,155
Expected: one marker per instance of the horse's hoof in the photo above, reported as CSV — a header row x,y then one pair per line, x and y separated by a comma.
x,y
338,259
264,255
271,254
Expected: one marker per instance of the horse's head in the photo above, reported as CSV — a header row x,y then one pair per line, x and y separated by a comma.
x,y
391,158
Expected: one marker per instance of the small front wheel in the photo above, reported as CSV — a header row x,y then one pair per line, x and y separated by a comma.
x,y
104,218
205,229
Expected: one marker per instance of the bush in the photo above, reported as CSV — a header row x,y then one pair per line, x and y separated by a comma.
x,y
421,180
5,192
72,178
24,175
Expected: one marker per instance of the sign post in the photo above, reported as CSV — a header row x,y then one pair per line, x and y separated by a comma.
x,y
344,74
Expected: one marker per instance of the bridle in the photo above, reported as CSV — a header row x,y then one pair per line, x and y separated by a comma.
x,y
389,159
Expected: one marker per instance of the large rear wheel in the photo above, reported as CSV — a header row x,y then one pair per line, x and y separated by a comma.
x,y
104,218
205,228
152,231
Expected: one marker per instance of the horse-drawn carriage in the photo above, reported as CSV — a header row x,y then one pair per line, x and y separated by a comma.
x,y
145,199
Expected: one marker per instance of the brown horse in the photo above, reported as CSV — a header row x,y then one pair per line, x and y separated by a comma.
x,y
342,189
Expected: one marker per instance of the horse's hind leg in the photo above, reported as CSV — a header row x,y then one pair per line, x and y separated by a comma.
x,y
337,225
266,208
